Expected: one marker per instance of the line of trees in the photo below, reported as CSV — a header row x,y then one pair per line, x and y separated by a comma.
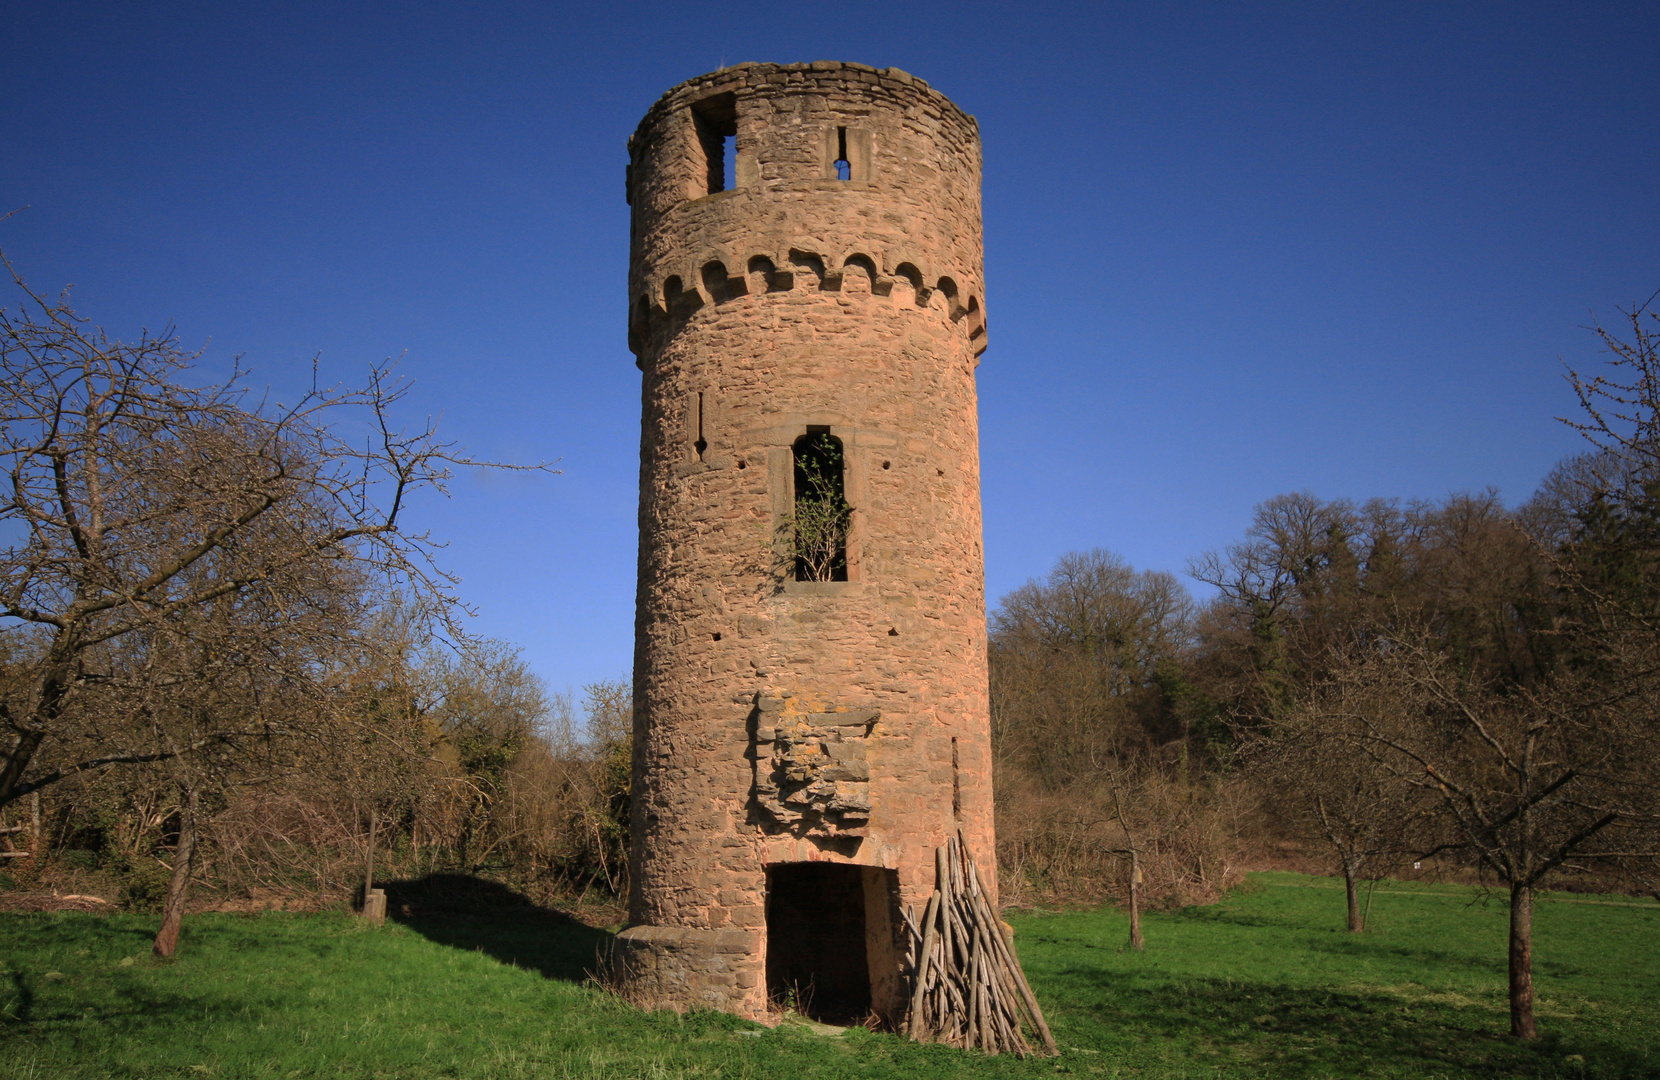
x,y
1452,681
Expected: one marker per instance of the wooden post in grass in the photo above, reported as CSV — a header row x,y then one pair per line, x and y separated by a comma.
x,y
374,900
369,889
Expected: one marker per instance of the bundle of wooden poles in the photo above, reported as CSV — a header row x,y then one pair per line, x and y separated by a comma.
x,y
967,989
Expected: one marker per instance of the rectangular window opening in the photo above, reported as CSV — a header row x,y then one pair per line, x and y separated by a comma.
x,y
844,168
818,533
716,122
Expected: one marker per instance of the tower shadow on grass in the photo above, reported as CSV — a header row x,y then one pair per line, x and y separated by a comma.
x,y
466,912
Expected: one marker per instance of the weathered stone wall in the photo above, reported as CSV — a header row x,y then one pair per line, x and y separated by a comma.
x,y
783,721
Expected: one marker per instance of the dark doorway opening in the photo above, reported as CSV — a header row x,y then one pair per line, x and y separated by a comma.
x,y
816,961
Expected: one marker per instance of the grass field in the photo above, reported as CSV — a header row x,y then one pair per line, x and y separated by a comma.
x,y
1263,984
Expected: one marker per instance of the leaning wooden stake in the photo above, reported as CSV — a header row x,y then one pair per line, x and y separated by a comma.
x,y
967,988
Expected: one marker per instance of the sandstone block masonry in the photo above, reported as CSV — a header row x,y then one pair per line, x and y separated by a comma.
x,y
806,264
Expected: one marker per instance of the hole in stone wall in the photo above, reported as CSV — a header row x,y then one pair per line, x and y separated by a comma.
x,y
892,632
816,959
678,300
715,120
859,275
743,464
804,263
948,289
822,516
887,464
717,635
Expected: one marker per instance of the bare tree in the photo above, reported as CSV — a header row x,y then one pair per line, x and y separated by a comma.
x,y
1528,780
1601,512
1334,789
1621,406
1133,850
1605,544
1092,727
488,708
141,512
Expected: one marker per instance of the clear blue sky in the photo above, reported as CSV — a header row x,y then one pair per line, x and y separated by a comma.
x,y
1231,250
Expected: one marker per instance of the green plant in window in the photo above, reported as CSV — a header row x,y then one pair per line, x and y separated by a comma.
x,y
816,533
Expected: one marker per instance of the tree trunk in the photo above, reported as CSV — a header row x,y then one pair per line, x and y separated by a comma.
x,y
1136,941
11,773
1356,922
1521,962
54,688
172,912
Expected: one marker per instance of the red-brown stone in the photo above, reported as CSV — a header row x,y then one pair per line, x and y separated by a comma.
x,y
783,721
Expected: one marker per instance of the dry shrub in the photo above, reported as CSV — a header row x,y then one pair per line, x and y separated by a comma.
x,y
289,842
1068,845
547,824
483,776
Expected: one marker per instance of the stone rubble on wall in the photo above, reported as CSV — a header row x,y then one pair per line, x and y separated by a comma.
x,y
812,769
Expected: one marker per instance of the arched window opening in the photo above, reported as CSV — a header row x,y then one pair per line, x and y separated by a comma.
x,y
818,529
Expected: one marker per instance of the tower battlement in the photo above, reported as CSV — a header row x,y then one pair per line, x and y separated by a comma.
x,y
806,307
733,177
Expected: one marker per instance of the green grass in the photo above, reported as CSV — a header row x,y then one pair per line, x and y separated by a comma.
x,y
1263,984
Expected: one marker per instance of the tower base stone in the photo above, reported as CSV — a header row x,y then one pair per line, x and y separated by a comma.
x,y
683,968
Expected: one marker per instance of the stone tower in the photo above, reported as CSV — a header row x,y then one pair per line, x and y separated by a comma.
x,y
805,286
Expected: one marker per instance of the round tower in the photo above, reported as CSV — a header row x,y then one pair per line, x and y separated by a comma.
x,y
805,286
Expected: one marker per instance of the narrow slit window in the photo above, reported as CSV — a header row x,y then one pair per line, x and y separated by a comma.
x,y
701,444
956,784
844,168
818,531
